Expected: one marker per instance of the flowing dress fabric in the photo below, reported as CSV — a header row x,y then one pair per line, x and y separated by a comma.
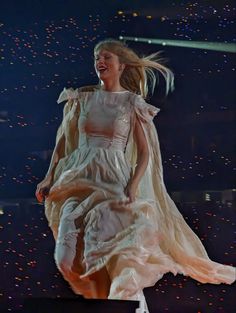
x,y
140,242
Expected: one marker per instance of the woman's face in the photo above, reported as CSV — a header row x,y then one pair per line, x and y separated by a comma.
x,y
107,65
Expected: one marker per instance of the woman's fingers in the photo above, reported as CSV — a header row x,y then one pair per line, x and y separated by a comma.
x,y
38,196
131,199
130,196
42,193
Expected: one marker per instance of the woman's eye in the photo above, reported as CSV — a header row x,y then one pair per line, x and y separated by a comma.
x,y
105,57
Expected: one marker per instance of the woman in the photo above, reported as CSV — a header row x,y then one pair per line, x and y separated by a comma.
x,y
117,230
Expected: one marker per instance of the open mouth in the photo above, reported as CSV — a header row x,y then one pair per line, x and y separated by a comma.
x,y
102,70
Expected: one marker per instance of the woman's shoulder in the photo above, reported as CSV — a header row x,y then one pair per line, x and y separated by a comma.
x,y
76,94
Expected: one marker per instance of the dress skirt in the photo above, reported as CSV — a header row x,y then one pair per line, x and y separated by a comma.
x,y
93,227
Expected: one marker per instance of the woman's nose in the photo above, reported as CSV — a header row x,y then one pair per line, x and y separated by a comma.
x,y
100,62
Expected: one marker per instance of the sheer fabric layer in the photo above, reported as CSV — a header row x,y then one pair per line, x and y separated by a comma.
x,y
139,242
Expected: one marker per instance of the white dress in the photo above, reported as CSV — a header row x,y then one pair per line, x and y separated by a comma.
x,y
140,242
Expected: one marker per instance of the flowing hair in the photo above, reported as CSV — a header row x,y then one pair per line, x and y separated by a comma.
x,y
138,75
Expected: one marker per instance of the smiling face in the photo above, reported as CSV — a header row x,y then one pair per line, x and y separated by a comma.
x,y
107,65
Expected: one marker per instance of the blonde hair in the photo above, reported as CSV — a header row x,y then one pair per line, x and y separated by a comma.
x,y
138,74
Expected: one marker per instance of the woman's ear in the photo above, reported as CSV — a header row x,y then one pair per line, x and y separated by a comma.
x,y
122,67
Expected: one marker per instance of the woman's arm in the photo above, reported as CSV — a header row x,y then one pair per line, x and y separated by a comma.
x,y
44,186
142,162
142,152
58,153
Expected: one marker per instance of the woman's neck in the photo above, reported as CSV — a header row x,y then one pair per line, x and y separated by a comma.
x,y
111,86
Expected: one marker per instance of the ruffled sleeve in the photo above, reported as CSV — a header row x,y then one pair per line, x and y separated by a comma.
x,y
69,94
144,110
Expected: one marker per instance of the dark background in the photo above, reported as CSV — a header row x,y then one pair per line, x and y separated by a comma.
x,y
48,45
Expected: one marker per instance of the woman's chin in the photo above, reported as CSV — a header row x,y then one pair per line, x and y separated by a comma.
x,y
104,76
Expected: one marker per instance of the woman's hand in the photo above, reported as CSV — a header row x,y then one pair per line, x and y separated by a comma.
x,y
43,188
130,191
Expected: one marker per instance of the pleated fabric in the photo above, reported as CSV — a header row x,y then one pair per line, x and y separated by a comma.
x,y
139,242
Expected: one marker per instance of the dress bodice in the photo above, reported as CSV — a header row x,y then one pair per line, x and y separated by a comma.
x,y
105,119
